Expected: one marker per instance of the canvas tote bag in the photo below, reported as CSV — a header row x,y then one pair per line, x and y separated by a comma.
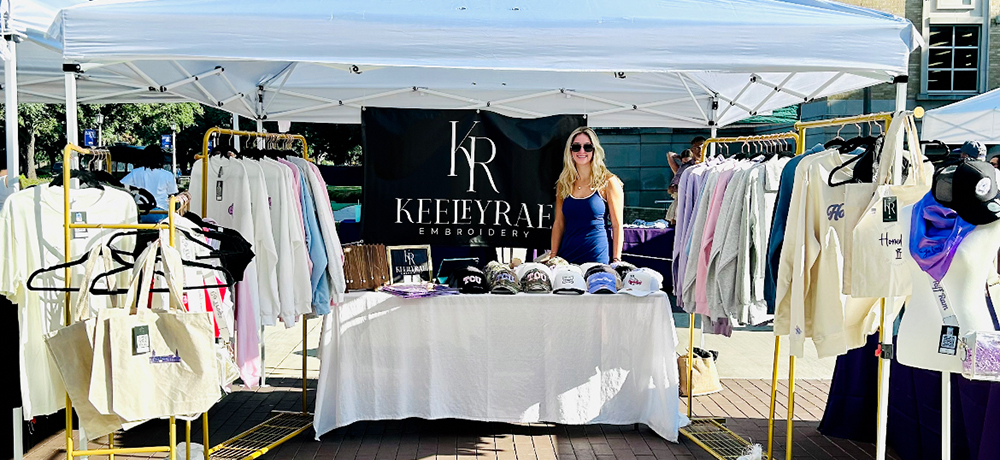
x,y
72,349
879,269
163,363
704,375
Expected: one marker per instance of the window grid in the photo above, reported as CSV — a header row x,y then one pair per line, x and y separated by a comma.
x,y
953,59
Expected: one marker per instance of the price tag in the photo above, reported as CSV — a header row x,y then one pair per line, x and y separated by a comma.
x,y
218,190
140,340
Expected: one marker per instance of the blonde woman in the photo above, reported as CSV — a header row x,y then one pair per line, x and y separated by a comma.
x,y
588,197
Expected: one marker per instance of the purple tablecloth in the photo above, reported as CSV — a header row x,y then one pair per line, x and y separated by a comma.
x,y
914,425
654,244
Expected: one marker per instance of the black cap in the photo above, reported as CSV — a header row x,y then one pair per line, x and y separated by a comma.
x,y
971,189
469,280
623,268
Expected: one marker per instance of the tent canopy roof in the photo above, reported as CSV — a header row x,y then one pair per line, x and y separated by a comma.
x,y
678,63
973,119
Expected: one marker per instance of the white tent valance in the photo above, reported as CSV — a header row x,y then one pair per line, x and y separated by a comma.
x,y
692,63
973,119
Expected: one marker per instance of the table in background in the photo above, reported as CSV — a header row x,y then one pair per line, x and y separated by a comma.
x,y
655,244
572,359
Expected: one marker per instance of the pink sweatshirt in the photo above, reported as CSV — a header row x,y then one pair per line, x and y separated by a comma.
x,y
705,250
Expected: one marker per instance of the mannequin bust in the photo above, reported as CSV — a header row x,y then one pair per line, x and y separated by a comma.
x,y
965,284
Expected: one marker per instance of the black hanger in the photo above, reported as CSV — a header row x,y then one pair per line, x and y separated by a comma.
x,y
86,178
865,161
228,277
53,268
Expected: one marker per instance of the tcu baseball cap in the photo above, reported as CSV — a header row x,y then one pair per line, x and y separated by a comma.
x,y
971,189
536,280
640,283
469,280
568,280
503,281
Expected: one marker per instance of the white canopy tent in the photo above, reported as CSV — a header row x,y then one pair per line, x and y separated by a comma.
x,y
38,63
690,63
973,119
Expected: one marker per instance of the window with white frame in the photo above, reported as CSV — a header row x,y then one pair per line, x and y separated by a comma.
x,y
953,59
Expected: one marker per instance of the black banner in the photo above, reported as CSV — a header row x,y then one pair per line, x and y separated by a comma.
x,y
460,177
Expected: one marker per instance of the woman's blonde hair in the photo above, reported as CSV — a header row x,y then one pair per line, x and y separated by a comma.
x,y
599,174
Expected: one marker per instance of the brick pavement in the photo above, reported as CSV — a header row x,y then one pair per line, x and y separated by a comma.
x,y
744,403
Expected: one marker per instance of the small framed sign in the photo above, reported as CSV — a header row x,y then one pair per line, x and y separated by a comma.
x,y
410,264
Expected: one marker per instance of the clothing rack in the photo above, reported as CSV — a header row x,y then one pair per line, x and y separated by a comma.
x,y
68,228
749,140
710,433
276,430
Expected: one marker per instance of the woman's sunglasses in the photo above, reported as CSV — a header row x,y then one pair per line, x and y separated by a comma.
x,y
586,147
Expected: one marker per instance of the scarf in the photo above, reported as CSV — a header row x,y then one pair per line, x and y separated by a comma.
x,y
935,233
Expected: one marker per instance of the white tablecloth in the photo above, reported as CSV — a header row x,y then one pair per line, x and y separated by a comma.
x,y
522,358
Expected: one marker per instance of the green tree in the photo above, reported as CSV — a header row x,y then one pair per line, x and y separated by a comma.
x,y
35,120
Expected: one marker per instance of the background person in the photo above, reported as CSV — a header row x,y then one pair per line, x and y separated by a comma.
x,y
588,196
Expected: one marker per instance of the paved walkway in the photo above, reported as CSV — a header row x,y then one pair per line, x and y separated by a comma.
x,y
745,365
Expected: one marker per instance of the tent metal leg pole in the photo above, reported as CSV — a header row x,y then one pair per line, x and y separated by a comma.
x,y
236,127
774,397
305,350
10,99
690,381
791,407
18,436
945,415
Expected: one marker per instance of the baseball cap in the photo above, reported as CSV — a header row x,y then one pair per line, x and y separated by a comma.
x,y
587,266
602,282
566,280
971,189
536,280
503,281
974,150
640,283
605,269
623,268
469,280
520,270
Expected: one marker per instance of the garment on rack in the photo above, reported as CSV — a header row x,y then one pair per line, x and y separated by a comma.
x,y
779,219
264,247
708,236
229,204
693,241
31,238
294,290
317,250
809,300
328,225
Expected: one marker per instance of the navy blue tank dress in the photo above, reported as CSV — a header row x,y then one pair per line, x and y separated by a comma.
x,y
585,233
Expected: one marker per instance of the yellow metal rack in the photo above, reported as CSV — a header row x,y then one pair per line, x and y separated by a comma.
x,y
709,433
275,431
68,228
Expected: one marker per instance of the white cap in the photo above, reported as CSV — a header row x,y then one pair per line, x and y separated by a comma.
x,y
641,283
520,270
568,281
655,273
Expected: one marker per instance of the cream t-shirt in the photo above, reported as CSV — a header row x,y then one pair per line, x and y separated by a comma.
x,y
31,238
